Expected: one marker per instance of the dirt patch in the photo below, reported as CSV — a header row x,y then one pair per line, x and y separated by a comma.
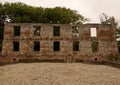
x,y
58,74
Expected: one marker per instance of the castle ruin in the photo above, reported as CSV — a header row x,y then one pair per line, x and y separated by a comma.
x,y
86,42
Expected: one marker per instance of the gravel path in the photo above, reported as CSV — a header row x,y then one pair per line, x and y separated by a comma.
x,y
58,74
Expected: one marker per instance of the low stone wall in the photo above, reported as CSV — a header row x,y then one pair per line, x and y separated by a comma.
x,y
113,64
108,63
41,60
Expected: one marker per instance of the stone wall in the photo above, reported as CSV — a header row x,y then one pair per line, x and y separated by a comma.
x,y
105,37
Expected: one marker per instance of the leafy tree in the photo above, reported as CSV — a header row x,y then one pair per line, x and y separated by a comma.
x,y
23,13
104,19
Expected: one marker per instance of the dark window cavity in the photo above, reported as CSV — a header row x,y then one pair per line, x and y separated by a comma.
x,y
0,45
56,31
15,46
16,30
76,46
118,44
56,46
94,46
37,30
36,46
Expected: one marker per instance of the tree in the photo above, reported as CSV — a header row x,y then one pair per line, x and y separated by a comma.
x,y
23,13
104,19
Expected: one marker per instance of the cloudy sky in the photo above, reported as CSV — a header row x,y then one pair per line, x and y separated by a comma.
x,y
88,8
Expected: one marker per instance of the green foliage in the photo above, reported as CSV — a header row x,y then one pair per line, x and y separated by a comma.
x,y
24,13
104,19
94,46
75,31
115,57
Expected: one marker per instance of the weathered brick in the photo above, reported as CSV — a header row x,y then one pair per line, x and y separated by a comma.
x,y
105,37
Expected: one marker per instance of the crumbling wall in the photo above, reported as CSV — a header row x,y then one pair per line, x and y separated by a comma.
x,y
105,37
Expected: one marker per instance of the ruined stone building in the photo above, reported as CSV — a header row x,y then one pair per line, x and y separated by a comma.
x,y
58,42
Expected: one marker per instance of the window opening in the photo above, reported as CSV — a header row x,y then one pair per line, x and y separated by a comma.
x,y
36,46
93,32
56,46
56,31
76,46
15,46
75,31
37,30
0,45
16,30
94,46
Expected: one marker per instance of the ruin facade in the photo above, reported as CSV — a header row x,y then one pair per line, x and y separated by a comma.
x,y
87,42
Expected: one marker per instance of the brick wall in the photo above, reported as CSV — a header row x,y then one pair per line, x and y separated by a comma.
x,y
105,37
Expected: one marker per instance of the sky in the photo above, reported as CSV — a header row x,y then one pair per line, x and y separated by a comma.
x,y
89,8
